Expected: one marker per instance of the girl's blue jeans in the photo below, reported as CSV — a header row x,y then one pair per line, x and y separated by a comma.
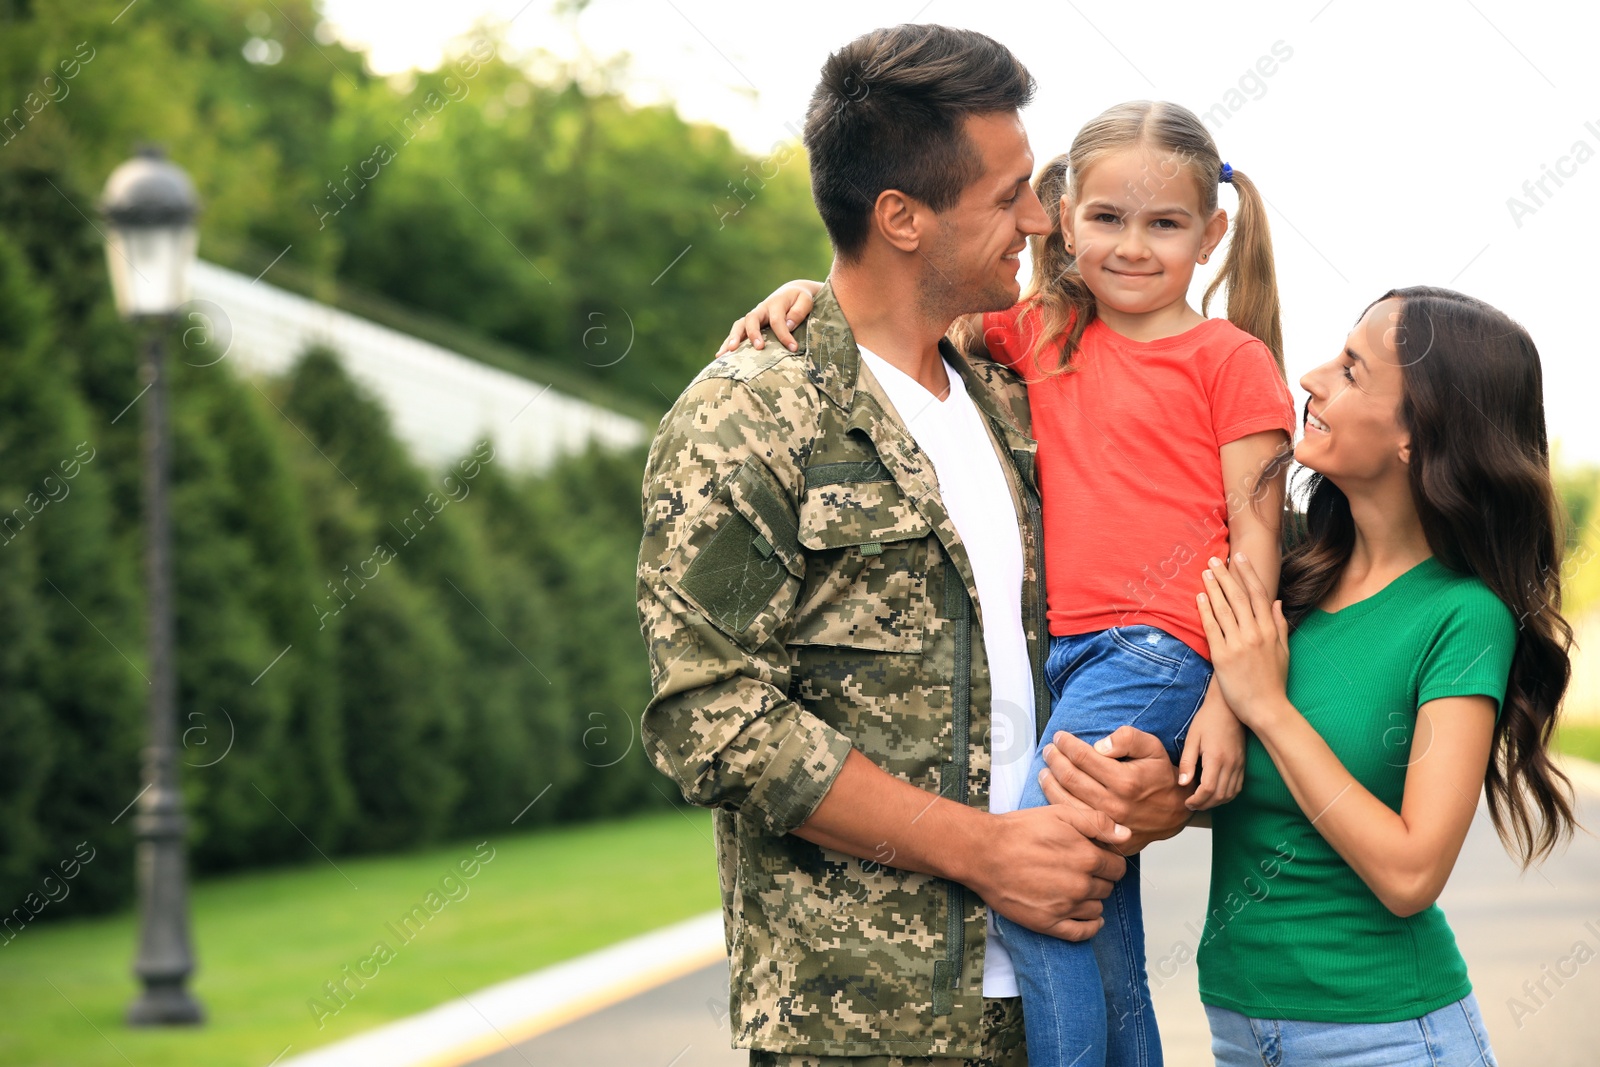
x,y
1087,1003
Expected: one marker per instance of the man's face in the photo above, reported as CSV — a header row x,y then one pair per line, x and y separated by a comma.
x,y
969,258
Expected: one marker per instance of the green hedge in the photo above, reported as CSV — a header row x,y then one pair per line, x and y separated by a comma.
x,y
371,656
381,684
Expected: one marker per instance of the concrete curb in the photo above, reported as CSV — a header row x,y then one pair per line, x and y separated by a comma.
x,y
507,1014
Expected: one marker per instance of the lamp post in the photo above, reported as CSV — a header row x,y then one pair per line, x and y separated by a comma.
x,y
150,208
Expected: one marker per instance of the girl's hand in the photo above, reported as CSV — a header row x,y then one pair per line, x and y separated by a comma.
x,y
1216,742
1249,639
783,311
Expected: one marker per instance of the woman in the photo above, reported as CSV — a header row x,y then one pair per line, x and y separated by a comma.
x,y
1416,653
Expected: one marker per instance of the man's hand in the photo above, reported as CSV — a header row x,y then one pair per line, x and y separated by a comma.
x,y
1040,867
1043,869
1126,776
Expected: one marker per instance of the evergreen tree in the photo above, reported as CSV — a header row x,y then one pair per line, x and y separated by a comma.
x,y
72,670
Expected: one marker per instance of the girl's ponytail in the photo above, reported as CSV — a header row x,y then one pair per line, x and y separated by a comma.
x,y
1248,270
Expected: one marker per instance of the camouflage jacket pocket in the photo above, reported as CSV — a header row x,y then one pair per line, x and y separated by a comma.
x,y
741,563
867,584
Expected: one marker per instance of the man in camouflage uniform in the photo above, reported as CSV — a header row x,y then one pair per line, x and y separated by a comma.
x,y
817,644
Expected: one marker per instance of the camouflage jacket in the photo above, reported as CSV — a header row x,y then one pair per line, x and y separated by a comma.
x,y
801,592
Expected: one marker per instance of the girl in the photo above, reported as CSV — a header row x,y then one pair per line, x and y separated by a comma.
x,y
1162,435
1417,653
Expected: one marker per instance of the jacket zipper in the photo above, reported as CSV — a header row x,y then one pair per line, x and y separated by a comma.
x,y
1041,615
953,784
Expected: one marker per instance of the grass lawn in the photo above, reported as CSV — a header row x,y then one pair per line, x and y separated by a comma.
x,y
266,942
1579,739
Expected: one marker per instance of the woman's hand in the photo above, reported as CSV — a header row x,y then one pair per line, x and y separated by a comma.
x,y
1249,639
783,311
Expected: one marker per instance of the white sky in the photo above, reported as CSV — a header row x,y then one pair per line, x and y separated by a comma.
x,y
1387,145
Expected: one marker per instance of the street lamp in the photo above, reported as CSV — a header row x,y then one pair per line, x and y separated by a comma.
x,y
150,206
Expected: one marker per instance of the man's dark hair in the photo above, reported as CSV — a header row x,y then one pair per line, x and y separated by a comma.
x,y
889,113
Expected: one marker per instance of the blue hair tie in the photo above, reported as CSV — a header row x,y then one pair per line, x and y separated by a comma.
x,y
1227,173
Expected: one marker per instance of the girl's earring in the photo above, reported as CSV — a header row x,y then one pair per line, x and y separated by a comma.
x,y
1204,256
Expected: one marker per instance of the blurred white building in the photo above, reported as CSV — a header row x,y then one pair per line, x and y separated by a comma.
x,y
440,403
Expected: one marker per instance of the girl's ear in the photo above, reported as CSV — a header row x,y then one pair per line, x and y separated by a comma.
x,y
1215,230
1066,220
1405,449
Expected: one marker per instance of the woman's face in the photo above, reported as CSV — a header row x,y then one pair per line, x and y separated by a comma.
x,y
1352,429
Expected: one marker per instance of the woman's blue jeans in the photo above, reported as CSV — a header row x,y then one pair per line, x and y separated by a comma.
x,y
1454,1034
1087,1003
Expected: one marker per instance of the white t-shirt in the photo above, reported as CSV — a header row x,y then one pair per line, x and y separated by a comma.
x,y
978,498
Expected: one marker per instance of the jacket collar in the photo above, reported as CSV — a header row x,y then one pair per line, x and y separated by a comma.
x,y
831,347
835,359
835,369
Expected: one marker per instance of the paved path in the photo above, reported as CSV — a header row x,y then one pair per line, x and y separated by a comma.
x,y
1512,928
681,1024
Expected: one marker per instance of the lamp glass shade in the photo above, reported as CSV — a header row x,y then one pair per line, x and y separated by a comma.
x,y
150,267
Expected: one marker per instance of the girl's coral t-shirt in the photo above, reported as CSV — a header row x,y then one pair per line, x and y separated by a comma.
x,y
1129,464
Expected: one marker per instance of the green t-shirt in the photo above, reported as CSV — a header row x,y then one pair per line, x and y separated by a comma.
x,y
1291,931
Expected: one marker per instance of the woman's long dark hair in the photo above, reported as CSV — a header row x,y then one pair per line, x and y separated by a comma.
x,y
1473,404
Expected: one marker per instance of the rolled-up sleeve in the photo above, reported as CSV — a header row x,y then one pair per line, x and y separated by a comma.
x,y
719,577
